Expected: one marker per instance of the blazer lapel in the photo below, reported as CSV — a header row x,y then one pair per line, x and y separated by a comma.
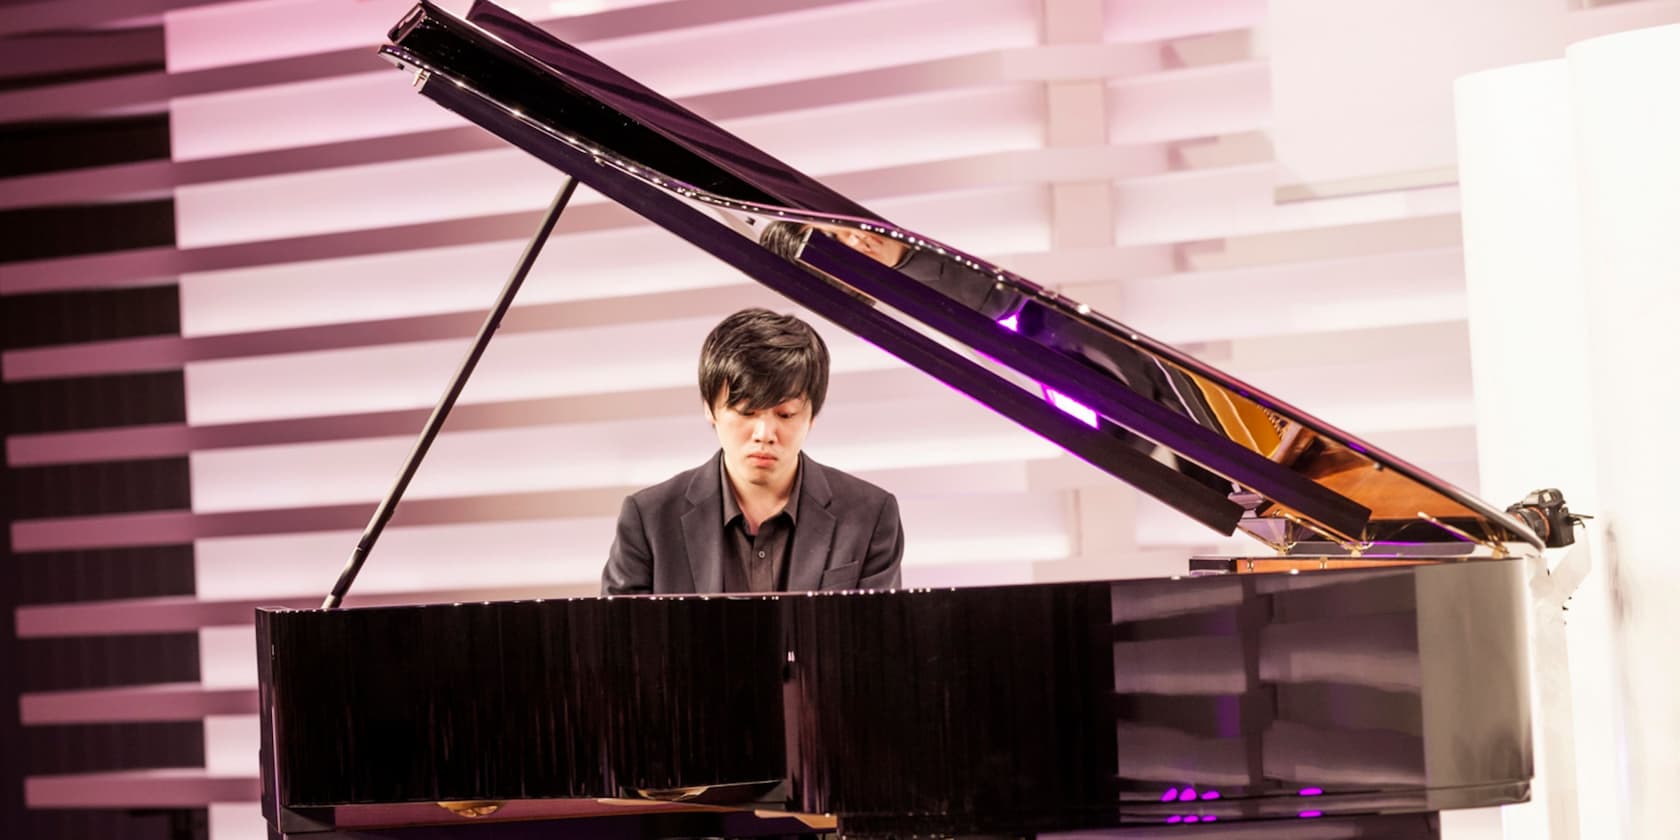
x,y
813,535
702,528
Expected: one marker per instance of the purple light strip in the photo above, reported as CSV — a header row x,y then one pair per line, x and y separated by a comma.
x,y
1068,405
1311,791
1307,815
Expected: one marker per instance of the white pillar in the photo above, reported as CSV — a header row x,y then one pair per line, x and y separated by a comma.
x,y
1528,342
1570,172
1627,134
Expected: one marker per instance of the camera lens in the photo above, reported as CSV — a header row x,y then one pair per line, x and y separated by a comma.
x,y
1535,520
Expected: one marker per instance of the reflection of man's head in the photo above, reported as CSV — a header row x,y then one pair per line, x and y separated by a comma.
x,y
879,248
788,239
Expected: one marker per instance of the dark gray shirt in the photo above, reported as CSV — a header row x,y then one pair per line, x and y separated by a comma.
x,y
756,562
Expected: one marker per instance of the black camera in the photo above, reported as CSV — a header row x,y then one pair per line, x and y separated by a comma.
x,y
1548,516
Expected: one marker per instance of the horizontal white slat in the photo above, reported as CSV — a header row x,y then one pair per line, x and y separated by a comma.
x,y
1158,20
968,528
170,352
228,739
1010,217
599,360
1296,298
175,527
1188,103
262,118
227,657
175,701
186,787
828,41
241,33
150,266
367,196
498,181
634,261
555,554
625,262
1189,206
936,430
182,613
244,821
154,441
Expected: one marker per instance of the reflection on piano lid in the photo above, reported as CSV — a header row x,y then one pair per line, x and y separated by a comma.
x,y
1217,449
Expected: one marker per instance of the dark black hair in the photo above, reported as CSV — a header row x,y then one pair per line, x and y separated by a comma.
x,y
785,239
760,359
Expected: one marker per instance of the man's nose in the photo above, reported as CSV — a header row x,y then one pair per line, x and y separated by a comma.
x,y
763,430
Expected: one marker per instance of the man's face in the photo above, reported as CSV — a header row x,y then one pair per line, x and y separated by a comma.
x,y
872,245
761,447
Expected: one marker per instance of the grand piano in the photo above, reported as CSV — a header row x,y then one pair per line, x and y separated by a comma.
x,y
1365,669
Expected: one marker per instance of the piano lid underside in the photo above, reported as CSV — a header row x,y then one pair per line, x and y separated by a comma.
x,y
1300,479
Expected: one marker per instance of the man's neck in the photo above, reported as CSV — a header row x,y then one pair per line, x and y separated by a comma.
x,y
759,502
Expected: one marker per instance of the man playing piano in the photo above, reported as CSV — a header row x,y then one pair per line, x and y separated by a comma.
x,y
759,516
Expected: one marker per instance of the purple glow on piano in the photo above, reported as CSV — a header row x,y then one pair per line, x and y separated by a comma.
x,y
1210,794
1174,819
1210,818
1068,405
1192,818
1307,815
1170,795
1311,791
1188,794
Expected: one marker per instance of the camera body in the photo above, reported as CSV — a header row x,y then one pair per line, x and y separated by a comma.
x,y
1547,515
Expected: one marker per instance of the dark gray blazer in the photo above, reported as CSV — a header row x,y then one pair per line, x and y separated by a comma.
x,y
670,535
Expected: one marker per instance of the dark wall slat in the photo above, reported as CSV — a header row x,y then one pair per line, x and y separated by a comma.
x,y
96,402
53,318
106,661
103,747
60,57
100,488
38,233
60,577
170,824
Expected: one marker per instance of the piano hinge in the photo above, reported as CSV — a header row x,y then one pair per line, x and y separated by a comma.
x,y
1352,546
421,76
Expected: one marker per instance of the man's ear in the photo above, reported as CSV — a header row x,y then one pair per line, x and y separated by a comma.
x,y
707,410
